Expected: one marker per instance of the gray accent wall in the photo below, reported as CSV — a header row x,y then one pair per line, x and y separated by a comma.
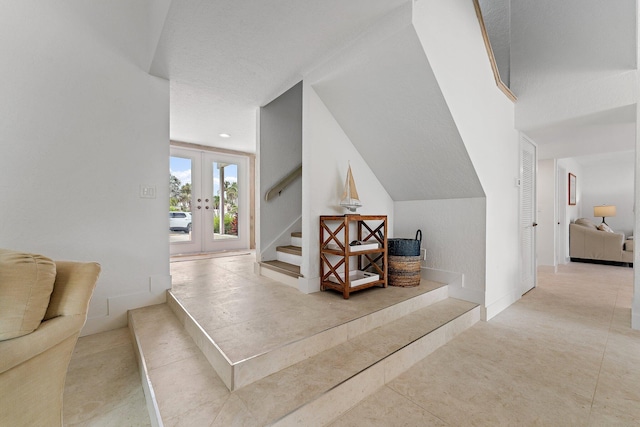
x,y
280,152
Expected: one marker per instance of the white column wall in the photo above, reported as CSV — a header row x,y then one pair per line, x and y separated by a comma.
x,y
450,34
546,213
83,127
635,305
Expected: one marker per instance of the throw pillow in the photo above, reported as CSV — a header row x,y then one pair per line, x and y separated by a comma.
x,y
26,283
605,227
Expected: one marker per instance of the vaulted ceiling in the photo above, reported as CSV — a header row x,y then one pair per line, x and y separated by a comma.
x,y
387,100
225,58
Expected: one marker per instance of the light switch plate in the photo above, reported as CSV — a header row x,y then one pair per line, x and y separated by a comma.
x,y
147,191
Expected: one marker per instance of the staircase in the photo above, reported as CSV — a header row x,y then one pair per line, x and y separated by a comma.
x,y
308,381
286,267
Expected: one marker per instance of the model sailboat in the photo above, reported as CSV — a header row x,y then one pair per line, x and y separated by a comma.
x,y
350,198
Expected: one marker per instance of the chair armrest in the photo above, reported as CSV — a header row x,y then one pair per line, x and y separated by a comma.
x,y
50,333
66,314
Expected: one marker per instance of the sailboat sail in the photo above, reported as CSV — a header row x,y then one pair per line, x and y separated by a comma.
x,y
350,198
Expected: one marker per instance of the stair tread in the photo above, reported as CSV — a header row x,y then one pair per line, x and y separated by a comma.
x,y
296,234
283,267
290,249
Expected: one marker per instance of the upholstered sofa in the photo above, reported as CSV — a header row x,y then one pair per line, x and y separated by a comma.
x,y
587,242
43,306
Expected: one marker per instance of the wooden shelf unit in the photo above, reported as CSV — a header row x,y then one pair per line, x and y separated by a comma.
x,y
336,253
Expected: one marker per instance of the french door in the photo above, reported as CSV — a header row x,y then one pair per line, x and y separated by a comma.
x,y
209,189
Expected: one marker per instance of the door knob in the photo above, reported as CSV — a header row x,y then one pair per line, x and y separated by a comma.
x,y
206,207
199,200
535,224
199,207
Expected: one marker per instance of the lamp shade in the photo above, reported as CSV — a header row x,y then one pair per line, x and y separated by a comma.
x,y
604,211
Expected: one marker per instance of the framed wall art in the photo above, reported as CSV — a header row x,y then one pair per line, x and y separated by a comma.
x,y
572,189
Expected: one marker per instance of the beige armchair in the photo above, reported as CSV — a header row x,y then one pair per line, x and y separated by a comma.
x,y
586,242
33,365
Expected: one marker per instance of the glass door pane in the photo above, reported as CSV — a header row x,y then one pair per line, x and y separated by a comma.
x,y
226,197
225,181
183,221
180,222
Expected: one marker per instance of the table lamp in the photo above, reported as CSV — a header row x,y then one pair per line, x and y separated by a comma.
x,y
604,211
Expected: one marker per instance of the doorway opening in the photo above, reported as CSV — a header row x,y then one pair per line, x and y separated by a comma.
x,y
209,201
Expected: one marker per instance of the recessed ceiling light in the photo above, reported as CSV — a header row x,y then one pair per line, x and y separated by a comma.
x,y
225,135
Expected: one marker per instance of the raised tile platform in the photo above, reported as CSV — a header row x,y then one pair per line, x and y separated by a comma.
x,y
238,345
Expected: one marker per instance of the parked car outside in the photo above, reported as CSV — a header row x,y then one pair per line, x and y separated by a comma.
x,y
180,221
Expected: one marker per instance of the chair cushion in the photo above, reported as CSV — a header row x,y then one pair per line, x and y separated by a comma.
x,y
586,223
26,283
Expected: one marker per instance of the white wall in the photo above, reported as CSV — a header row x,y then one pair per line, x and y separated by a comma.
x,y
326,154
635,305
572,166
83,126
454,236
279,153
546,212
572,212
450,34
610,180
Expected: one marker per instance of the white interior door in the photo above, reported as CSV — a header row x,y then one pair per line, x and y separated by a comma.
x,y
212,190
528,161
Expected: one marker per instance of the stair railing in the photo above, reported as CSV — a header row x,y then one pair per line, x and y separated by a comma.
x,y
283,183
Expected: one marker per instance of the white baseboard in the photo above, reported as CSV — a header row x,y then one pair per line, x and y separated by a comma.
x,y
118,306
491,310
309,285
456,284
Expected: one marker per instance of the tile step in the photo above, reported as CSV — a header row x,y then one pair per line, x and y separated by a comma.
x,y
313,391
241,373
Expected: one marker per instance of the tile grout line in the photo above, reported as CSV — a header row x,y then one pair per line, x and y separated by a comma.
x,y
604,352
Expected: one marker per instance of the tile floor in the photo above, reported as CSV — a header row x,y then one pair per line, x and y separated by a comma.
x,y
562,355
103,383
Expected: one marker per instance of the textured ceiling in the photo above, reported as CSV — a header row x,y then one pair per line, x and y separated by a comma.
x,y
604,132
388,102
226,58
572,45
559,43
